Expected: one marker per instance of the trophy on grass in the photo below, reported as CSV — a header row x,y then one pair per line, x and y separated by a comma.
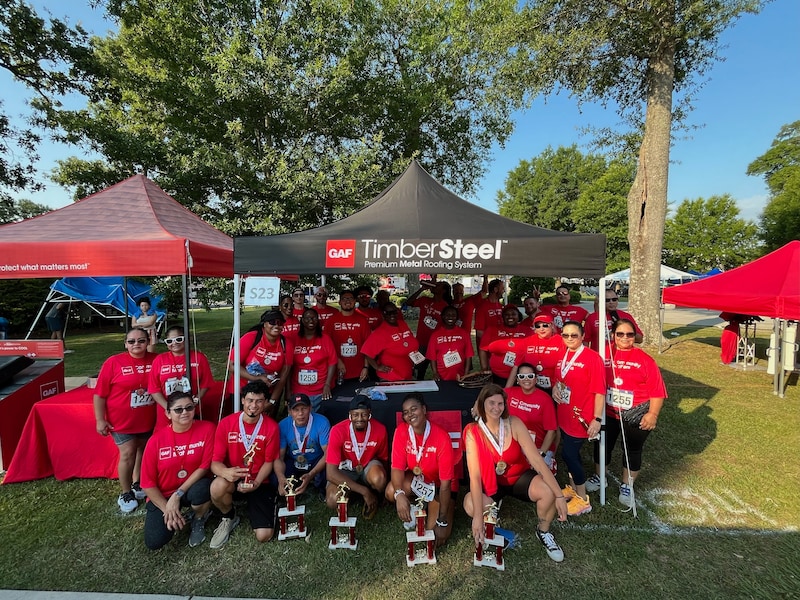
x,y
421,542
289,527
346,538
490,553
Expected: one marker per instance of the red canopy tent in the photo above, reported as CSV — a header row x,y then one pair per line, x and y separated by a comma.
x,y
131,228
766,287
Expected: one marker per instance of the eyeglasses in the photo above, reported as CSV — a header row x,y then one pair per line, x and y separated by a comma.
x,y
274,323
179,410
139,341
612,299
570,336
178,339
524,376
321,294
625,334
540,325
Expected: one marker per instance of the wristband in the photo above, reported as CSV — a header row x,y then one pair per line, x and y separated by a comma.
x,y
598,419
441,523
180,493
398,492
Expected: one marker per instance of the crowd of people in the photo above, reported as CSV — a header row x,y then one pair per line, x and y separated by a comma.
x,y
550,392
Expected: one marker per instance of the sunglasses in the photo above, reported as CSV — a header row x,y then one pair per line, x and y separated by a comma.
x,y
139,341
540,325
570,336
390,312
524,376
287,305
274,323
612,299
625,334
562,293
179,410
178,339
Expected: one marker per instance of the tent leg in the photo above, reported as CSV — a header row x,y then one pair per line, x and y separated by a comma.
x,y
39,314
775,353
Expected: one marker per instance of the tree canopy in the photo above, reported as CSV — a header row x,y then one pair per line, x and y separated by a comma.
x,y
780,167
704,234
274,117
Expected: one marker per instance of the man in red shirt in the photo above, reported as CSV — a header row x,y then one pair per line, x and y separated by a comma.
x,y
563,311
324,311
613,314
245,447
373,314
358,451
489,312
531,307
349,330
466,306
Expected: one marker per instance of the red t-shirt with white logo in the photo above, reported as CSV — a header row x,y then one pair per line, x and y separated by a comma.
x,y
436,460
310,363
430,317
348,333
450,349
390,346
562,314
229,448
536,410
123,382
584,378
167,453
504,347
340,447
270,356
488,313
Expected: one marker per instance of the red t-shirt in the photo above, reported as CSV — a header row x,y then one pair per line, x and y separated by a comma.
x,y
430,317
325,312
123,382
340,447
270,356
543,354
592,327
229,448
504,346
585,378
466,311
167,453
536,410
488,313
488,459
454,341
291,328
391,346
373,315
166,374
310,364
636,372
437,457
349,332
562,314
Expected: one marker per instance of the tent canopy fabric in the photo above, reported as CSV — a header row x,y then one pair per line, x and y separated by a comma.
x,y
667,274
105,291
131,228
416,225
767,287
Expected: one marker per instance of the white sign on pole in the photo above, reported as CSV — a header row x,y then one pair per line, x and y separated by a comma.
x,y
262,291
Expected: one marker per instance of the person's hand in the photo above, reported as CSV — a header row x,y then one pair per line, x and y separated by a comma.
x,y
326,392
403,505
234,474
593,430
103,427
478,528
364,374
246,489
557,394
440,533
561,508
648,422
536,293
437,377
173,518
370,502
304,481
383,368
281,485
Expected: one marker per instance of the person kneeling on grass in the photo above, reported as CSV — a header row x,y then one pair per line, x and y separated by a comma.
x,y
246,445
358,450
175,474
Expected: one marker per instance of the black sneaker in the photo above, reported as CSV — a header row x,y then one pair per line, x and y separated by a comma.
x,y
136,488
554,551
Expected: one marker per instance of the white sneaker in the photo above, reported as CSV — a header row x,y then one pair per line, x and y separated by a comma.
x,y
593,483
127,502
137,490
626,495
553,550
223,532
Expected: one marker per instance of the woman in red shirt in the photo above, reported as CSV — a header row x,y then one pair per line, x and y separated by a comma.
x,y
503,461
314,361
391,349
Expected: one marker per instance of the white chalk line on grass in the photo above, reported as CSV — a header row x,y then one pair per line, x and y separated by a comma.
x,y
712,511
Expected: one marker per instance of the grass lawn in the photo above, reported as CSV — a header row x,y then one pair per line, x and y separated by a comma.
x,y
717,516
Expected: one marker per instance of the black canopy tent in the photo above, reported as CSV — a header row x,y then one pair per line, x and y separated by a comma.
x,y
416,225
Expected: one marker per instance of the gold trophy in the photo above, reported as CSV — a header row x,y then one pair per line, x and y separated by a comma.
x,y
247,461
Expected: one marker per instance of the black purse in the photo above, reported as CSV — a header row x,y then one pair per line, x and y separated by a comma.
x,y
633,416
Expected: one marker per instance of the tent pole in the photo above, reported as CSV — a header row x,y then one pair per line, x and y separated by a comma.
x,y
50,294
187,339
782,378
775,353
601,308
237,358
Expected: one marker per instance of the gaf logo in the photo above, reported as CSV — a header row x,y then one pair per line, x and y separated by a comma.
x,y
340,254
47,390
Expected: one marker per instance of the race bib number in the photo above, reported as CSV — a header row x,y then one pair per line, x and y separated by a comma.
x,y
416,357
177,384
451,359
430,322
619,398
348,350
509,358
306,377
558,322
140,398
564,393
543,381
422,489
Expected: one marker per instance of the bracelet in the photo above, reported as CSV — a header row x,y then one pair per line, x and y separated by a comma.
x,y
441,523
398,492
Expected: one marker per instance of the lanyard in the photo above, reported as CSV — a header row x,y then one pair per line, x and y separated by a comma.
x,y
247,440
412,436
566,366
356,451
301,444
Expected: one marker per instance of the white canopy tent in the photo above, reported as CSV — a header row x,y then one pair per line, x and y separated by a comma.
x,y
668,275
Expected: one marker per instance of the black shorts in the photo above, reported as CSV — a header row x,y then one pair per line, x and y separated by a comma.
x,y
261,506
519,490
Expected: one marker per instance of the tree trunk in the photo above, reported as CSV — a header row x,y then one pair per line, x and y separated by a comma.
x,y
647,199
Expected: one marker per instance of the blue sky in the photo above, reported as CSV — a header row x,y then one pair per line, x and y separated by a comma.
x,y
743,104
